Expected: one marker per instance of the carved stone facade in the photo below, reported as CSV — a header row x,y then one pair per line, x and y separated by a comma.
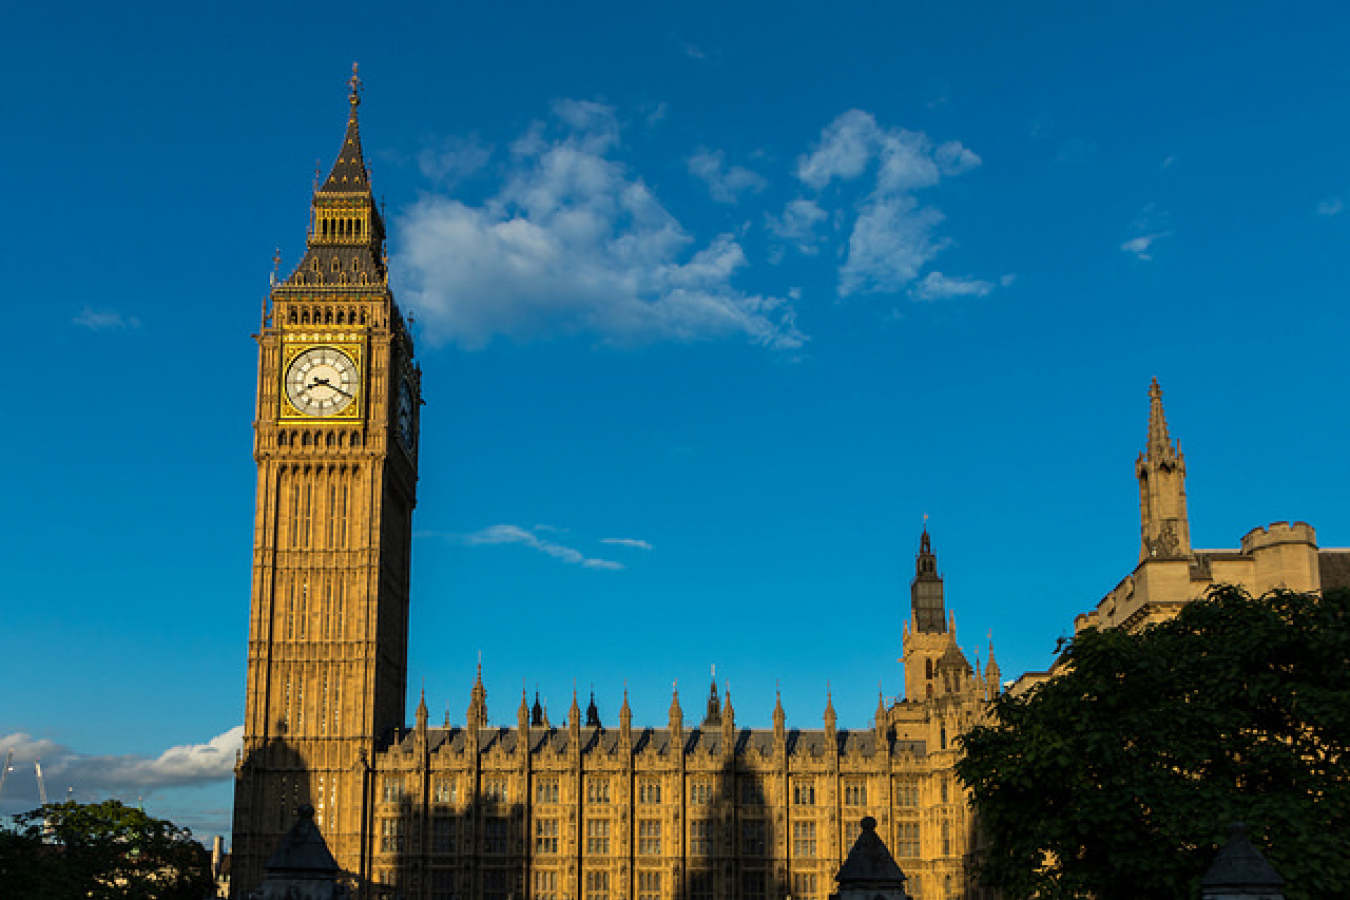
x,y
580,811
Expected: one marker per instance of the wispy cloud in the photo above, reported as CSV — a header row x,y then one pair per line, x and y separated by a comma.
x,y
106,320
936,286
635,543
1332,206
453,160
126,776
574,243
1150,227
1142,246
726,184
893,236
514,534
798,225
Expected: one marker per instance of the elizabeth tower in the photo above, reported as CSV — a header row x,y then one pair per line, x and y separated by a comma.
x,y
335,439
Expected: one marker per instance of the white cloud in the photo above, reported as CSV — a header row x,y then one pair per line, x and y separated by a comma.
x,y
797,225
936,286
514,534
725,184
573,243
627,542
1331,207
106,320
128,775
893,236
1142,246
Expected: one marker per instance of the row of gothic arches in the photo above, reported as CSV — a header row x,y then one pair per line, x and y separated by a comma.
x,y
340,227
326,315
308,437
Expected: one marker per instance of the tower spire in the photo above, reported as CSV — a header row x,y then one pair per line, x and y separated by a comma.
x,y
1161,470
925,590
346,239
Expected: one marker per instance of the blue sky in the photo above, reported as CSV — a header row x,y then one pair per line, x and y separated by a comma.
x,y
714,301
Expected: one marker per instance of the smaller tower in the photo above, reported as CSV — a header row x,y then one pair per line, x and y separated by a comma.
x,y
930,630
713,716
476,715
676,723
1161,469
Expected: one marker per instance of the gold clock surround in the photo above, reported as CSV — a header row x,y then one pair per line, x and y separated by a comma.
x,y
290,351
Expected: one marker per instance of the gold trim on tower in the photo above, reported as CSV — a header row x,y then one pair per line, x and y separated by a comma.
x,y
288,412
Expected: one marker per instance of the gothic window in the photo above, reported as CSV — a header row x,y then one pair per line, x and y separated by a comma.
x,y
752,792
752,885
943,788
597,789
391,835
443,885
393,789
545,885
752,839
855,793
649,837
907,839
928,668
803,792
496,884
545,835
946,839
597,837
546,790
942,739
803,839
700,886
804,886
700,792
494,790
649,885
446,790
700,837
597,885
649,792
496,832
443,835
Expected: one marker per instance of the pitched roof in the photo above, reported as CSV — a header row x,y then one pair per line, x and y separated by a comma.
x,y
870,865
303,851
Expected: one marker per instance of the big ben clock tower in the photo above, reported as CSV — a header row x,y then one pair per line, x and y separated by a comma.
x,y
335,441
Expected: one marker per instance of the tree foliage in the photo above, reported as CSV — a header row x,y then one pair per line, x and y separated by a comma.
x,y
1118,777
101,851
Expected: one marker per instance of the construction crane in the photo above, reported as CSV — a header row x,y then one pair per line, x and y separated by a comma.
x,y
4,773
42,785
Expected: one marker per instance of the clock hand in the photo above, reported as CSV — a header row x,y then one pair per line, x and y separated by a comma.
x,y
323,382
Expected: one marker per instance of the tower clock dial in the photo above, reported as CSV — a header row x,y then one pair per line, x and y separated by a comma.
x,y
405,414
322,381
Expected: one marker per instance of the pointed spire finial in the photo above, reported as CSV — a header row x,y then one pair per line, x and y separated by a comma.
x,y
354,83
1159,442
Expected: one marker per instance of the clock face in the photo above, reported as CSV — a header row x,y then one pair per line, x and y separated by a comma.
x,y
405,414
322,381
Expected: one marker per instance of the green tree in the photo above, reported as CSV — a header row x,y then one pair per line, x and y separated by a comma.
x,y
101,851
1118,777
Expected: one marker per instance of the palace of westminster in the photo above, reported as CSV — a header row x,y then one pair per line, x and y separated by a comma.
x,y
692,808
